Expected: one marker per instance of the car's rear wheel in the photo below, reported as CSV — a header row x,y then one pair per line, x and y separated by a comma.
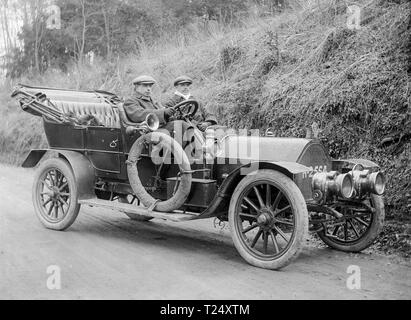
x,y
55,194
130,199
268,219
359,227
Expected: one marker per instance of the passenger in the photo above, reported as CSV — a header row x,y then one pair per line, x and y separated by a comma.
x,y
140,104
203,118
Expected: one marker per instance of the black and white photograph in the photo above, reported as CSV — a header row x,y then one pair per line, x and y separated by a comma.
x,y
221,152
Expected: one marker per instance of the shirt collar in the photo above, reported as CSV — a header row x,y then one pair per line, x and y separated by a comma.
x,y
186,97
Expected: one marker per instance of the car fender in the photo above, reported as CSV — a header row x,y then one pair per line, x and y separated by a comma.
x,y
82,168
219,205
291,169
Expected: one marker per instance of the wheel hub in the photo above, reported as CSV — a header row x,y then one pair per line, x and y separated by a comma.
x,y
262,219
55,193
265,219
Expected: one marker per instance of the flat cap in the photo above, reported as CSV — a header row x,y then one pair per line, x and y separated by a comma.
x,y
183,79
144,80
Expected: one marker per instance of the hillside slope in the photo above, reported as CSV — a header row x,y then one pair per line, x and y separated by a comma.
x,y
284,72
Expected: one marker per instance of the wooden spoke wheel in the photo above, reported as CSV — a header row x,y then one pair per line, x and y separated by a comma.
x,y
131,199
359,227
268,219
55,194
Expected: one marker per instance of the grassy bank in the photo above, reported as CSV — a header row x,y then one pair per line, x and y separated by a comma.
x,y
285,72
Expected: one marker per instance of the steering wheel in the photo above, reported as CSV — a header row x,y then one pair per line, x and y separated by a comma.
x,y
191,105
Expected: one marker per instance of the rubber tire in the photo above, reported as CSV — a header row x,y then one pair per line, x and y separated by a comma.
x,y
297,202
134,217
371,234
183,190
64,167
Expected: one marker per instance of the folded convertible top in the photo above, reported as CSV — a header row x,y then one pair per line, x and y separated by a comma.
x,y
57,94
41,101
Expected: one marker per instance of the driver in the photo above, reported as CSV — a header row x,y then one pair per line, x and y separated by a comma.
x,y
140,104
182,84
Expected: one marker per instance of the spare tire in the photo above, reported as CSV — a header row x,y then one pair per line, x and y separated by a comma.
x,y
180,158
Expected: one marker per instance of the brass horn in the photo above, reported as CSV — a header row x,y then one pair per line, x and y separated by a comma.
x,y
151,123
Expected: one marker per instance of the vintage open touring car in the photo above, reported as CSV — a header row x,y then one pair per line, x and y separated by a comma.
x,y
271,198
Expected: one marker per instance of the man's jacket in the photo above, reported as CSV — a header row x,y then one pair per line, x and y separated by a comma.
x,y
138,107
201,115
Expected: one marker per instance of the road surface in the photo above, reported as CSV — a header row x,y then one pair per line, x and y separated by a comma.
x,y
104,255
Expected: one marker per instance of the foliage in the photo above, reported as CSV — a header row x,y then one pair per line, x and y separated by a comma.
x,y
53,50
109,29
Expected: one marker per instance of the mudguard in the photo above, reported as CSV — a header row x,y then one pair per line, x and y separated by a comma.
x,y
81,166
291,169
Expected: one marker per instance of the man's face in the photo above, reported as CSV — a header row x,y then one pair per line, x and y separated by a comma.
x,y
144,89
184,88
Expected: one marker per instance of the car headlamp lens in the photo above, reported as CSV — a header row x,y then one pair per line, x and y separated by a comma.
x,y
377,181
345,185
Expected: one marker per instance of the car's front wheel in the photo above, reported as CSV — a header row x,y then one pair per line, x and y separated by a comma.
x,y
55,194
268,219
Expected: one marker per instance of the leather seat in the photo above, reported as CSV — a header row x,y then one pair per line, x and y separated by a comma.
x,y
104,112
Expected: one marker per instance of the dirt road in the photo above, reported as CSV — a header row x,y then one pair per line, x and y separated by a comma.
x,y
104,255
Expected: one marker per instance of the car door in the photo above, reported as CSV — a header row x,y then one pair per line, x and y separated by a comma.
x,y
104,149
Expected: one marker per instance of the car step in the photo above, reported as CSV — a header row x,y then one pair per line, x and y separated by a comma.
x,y
176,216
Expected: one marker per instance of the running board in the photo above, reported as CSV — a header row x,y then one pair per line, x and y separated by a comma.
x,y
176,216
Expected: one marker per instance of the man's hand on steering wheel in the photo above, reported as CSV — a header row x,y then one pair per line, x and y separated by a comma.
x,y
179,109
169,113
